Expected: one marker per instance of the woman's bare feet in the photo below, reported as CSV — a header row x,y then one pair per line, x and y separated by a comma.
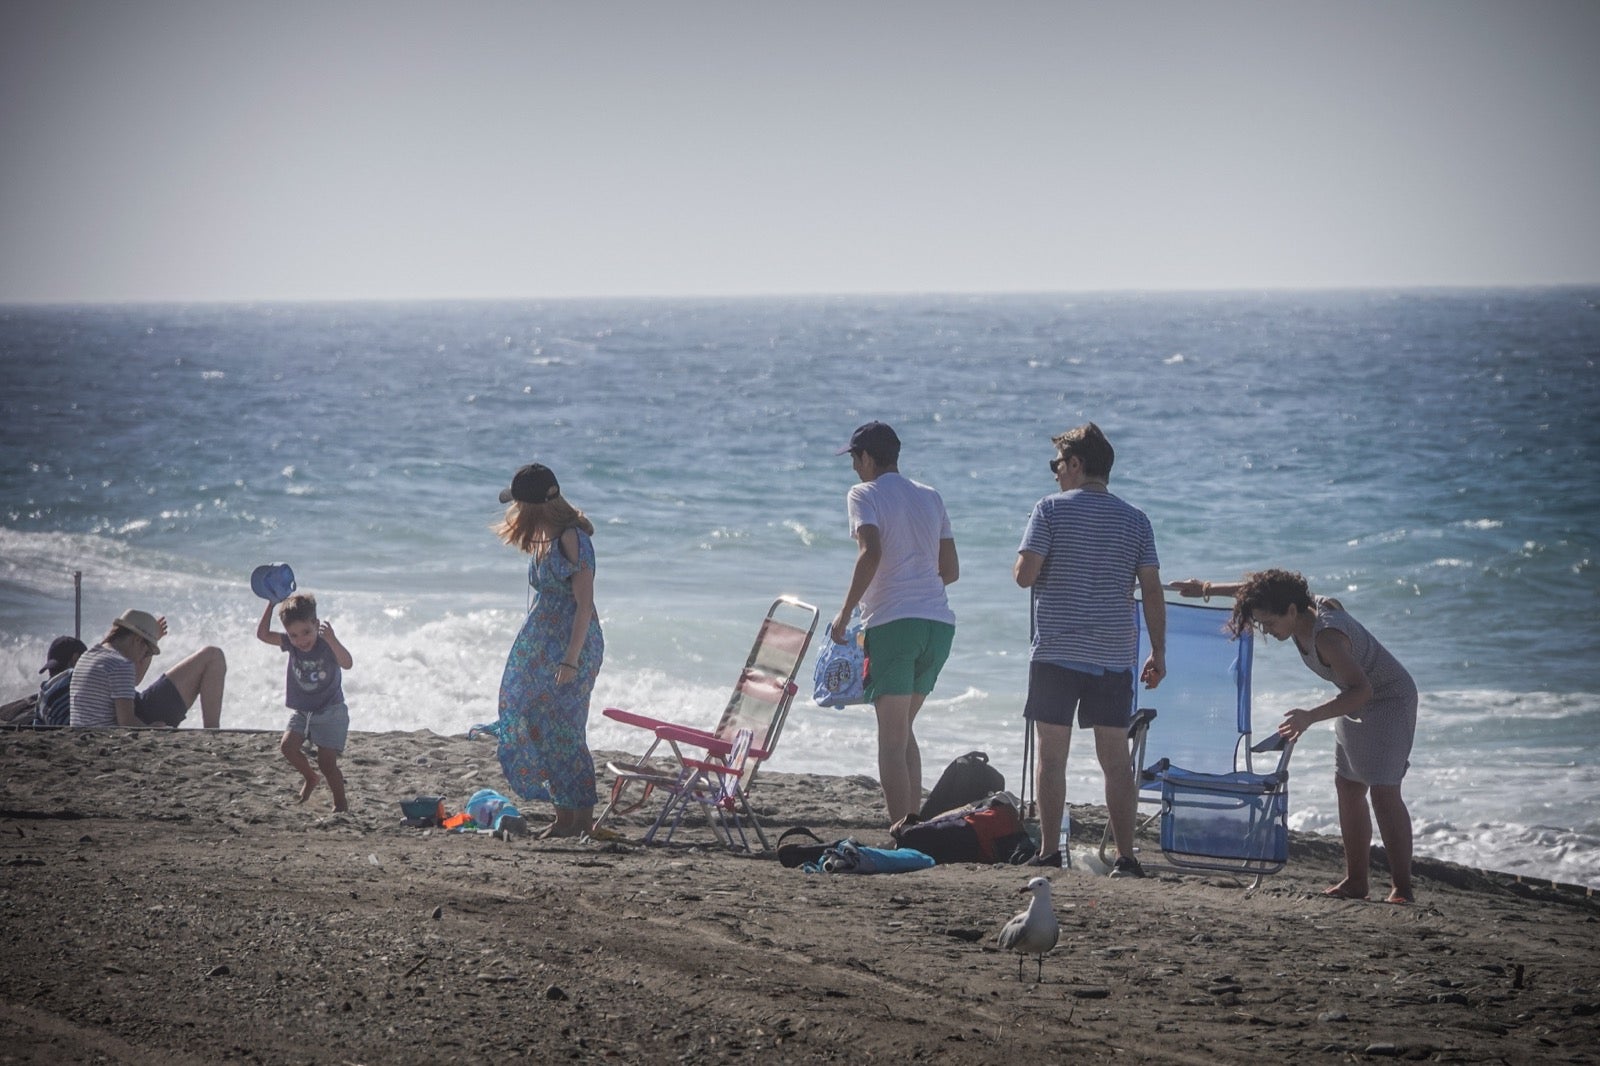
x,y
1346,890
312,781
569,823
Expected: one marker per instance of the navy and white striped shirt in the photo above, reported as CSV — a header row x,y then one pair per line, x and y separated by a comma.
x,y
1093,545
101,677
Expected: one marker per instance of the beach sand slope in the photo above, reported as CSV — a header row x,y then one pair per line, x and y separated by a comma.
x,y
164,900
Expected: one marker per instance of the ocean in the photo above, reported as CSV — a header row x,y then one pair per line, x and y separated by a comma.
x,y
1428,456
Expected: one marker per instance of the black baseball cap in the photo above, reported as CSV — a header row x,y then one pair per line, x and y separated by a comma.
x,y
534,483
62,652
872,437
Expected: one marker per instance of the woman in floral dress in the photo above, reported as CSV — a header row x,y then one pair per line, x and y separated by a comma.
x,y
544,693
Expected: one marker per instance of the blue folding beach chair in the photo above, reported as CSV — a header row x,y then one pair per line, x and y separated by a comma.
x,y
1218,810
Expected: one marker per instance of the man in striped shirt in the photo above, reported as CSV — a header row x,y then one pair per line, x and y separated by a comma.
x,y
1081,554
103,693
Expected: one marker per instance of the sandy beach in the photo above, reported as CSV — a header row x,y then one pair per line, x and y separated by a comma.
x,y
165,900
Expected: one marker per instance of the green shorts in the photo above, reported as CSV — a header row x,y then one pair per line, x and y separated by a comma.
x,y
904,657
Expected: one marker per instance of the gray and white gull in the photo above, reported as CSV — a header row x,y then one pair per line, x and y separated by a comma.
x,y
1034,931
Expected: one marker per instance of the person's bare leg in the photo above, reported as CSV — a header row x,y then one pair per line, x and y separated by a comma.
x,y
328,762
894,731
914,753
1355,829
1394,826
1050,781
202,676
1122,793
293,749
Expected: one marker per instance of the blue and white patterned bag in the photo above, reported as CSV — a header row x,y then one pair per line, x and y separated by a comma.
x,y
841,670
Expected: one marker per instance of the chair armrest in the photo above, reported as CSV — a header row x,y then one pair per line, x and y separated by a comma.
x,y
643,721
1276,742
1141,721
709,742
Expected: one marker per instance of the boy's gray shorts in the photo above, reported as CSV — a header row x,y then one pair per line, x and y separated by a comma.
x,y
328,728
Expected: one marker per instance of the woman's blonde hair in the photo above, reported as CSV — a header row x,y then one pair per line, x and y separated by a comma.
x,y
522,525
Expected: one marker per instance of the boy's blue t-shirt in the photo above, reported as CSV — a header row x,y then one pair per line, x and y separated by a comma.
x,y
315,681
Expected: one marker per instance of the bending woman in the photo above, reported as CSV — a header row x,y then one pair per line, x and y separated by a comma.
x,y
544,693
1375,713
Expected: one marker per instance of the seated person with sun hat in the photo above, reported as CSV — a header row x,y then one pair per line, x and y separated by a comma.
x,y
103,682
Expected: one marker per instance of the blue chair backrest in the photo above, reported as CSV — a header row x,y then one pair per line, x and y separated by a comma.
x,y
1203,705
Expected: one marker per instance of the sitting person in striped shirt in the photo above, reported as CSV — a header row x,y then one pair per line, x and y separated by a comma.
x,y
104,692
1081,554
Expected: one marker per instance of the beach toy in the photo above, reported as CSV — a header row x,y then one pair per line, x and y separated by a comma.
x,y
272,581
424,811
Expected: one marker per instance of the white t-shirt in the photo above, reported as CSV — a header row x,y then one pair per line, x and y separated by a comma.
x,y
911,522
101,677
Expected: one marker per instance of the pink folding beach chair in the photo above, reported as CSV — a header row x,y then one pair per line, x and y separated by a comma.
x,y
758,706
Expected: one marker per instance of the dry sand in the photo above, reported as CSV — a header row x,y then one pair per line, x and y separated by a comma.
x,y
164,900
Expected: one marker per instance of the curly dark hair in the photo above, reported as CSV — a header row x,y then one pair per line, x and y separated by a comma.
x,y
300,607
1272,591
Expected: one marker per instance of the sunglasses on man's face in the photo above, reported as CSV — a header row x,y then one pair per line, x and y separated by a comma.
x,y
1057,463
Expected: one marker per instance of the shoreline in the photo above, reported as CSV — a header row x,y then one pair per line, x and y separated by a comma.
x,y
166,901
1093,814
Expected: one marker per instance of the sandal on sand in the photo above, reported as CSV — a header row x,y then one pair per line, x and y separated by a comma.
x,y
605,835
1338,893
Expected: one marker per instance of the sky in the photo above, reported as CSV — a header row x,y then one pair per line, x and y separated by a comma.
x,y
348,149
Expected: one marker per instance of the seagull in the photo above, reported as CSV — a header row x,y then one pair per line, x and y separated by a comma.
x,y
1034,931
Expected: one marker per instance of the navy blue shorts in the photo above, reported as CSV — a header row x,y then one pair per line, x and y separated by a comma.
x,y
160,704
1055,693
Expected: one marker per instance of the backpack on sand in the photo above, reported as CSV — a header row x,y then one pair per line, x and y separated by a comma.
x,y
967,780
989,831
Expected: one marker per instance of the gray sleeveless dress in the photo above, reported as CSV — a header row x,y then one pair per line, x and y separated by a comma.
x,y
1373,745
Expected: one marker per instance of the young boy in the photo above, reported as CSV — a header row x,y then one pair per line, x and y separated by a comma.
x,y
315,691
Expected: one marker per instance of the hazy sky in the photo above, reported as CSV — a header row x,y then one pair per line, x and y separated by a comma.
x,y
156,149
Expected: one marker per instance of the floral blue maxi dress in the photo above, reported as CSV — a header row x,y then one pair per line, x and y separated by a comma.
x,y
544,744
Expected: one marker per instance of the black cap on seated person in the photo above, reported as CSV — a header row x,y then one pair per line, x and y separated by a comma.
x,y
64,651
534,483
873,438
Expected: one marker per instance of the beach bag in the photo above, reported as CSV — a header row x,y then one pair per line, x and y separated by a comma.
x,y
966,780
849,857
989,831
487,808
841,674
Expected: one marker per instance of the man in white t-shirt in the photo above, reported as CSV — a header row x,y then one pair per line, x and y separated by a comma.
x,y
906,555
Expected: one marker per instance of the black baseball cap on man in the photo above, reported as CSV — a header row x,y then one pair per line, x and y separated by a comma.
x,y
534,483
872,437
63,651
